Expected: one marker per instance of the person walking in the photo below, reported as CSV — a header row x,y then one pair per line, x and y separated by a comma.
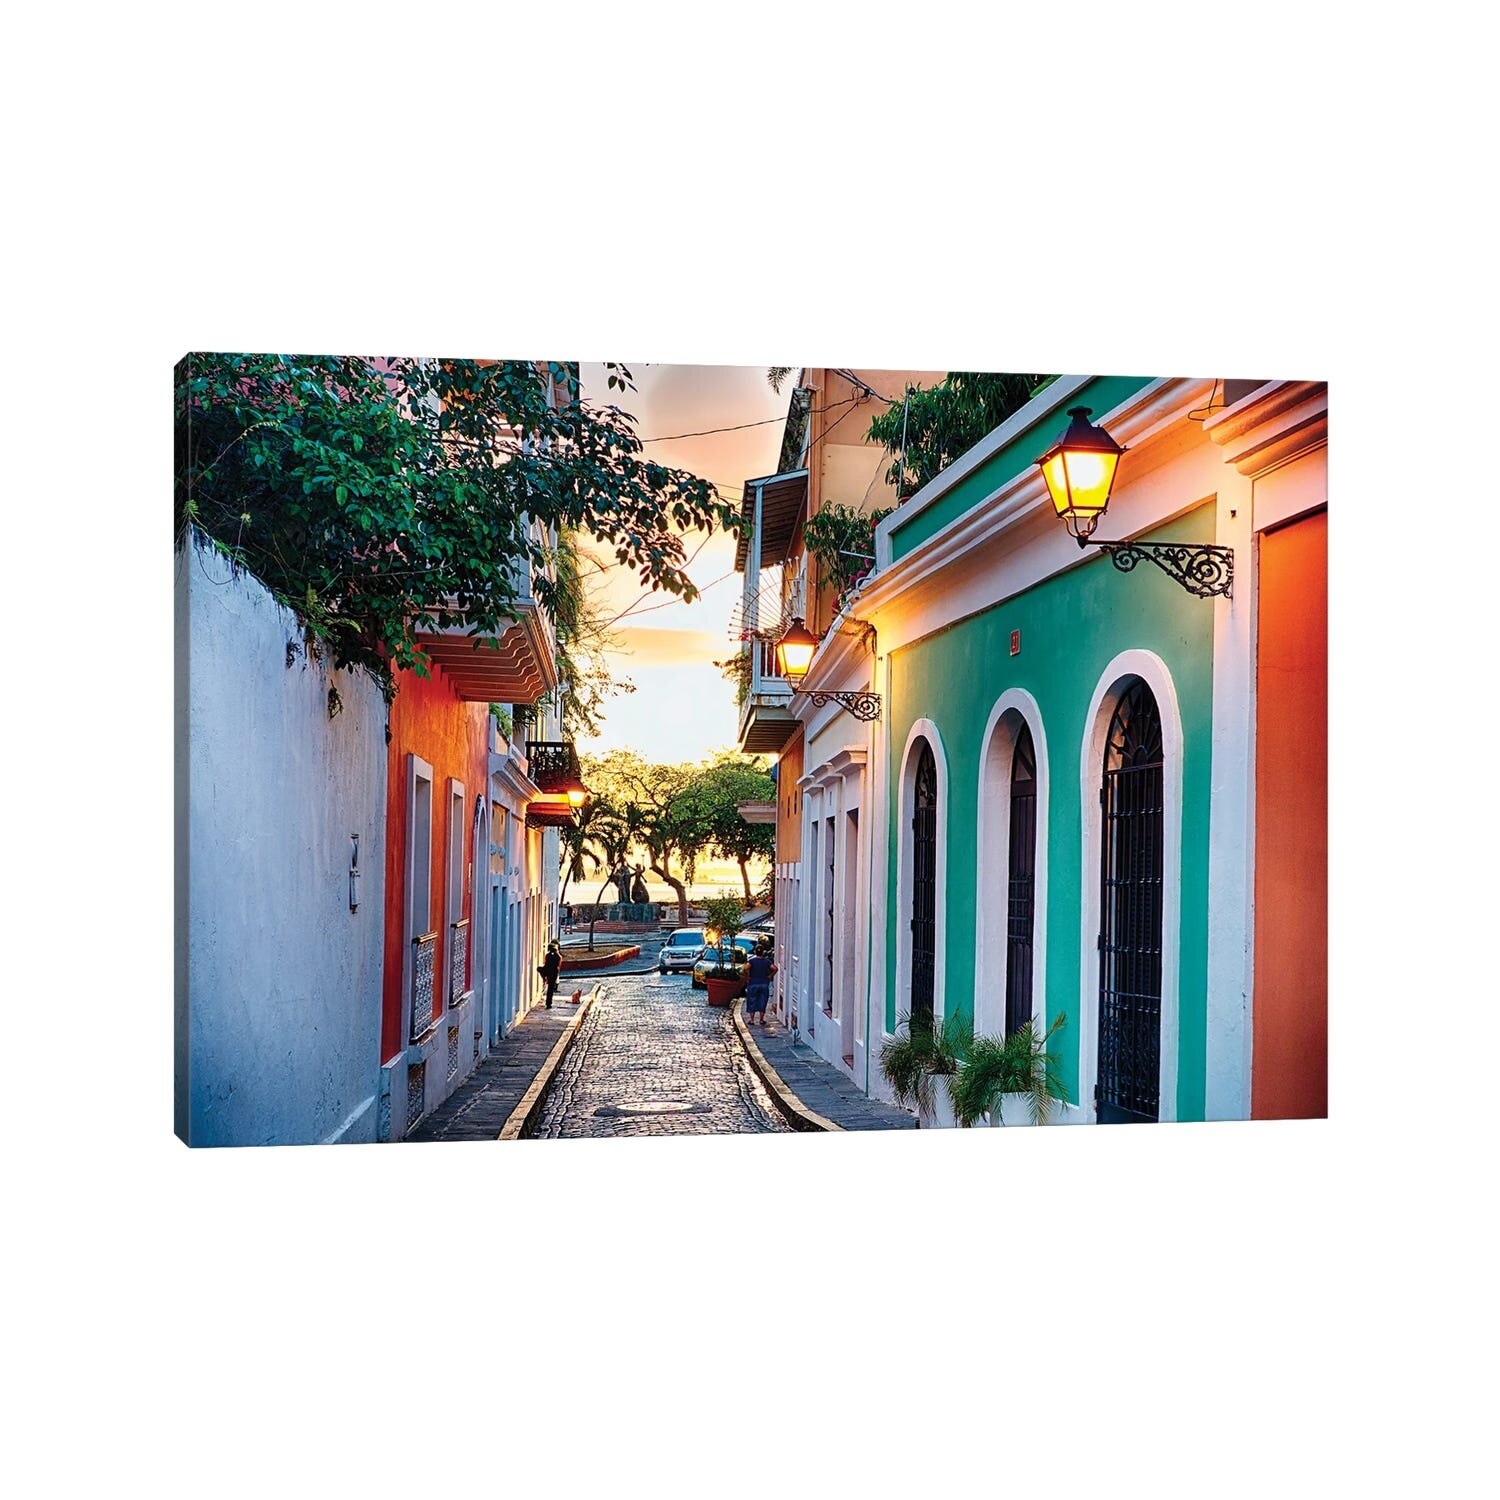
x,y
758,984
551,967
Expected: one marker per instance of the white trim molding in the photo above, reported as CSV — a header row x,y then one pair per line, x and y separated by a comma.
x,y
921,729
1274,424
997,753
1152,670
417,770
1135,422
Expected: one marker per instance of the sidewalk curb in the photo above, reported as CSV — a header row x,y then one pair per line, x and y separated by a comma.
x,y
797,1114
599,960
525,1113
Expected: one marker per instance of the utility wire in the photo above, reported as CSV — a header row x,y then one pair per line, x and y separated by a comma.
x,y
672,437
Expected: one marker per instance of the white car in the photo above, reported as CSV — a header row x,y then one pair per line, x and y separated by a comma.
x,y
680,951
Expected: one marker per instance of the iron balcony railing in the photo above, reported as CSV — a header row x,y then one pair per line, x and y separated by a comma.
x,y
552,764
423,953
458,960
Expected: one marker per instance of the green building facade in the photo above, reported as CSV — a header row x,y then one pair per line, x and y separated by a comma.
x,y
983,601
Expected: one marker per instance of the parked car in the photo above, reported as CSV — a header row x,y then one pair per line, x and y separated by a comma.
x,y
736,956
680,951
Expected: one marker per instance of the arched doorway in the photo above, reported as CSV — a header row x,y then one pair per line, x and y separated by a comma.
x,y
924,878
1021,882
1132,868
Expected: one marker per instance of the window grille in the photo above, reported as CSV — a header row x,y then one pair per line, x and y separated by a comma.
x,y
1131,801
924,887
1021,895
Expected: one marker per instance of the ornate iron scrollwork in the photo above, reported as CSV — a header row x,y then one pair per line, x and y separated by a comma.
x,y
1202,570
865,706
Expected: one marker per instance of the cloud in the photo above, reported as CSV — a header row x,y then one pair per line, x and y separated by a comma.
x,y
643,646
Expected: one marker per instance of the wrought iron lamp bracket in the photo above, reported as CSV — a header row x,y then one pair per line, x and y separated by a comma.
x,y
1204,570
864,706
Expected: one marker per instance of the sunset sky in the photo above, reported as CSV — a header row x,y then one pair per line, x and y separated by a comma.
x,y
682,709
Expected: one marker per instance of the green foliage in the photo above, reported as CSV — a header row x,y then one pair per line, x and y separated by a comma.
x,y
942,422
501,715
1016,1064
723,914
597,839
736,669
719,789
675,814
583,640
381,500
660,812
835,534
912,1063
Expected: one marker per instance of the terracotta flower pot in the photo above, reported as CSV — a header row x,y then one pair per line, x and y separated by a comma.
x,y
724,991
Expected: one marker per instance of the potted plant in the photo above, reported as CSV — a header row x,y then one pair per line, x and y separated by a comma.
x,y
1010,1080
917,1056
722,916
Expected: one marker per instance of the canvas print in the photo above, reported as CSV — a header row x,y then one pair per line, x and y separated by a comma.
x,y
591,751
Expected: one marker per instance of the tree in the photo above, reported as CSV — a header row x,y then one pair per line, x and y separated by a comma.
x,y
720,788
584,639
383,499
663,812
592,840
932,426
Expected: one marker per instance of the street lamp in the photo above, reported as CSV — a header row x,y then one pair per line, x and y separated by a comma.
x,y
1080,472
794,654
794,651
577,792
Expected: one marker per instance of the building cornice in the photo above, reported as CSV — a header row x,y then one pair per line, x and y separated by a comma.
x,y
1040,405
1136,422
1274,424
847,762
510,775
842,659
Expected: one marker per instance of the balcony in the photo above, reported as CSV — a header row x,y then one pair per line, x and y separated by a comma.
x,y
518,666
766,719
553,768
552,764
773,584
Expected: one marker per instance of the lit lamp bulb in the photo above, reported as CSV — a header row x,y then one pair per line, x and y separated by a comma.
x,y
794,651
1080,472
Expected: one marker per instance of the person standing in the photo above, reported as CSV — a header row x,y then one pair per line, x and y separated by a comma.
x,y
550,968
758,984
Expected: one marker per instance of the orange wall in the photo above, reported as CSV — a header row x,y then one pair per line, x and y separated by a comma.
x,y
789,802
1290,1068
452,736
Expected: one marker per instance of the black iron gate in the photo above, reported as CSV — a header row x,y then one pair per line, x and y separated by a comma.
x,y
924,887
1130,912
1022,893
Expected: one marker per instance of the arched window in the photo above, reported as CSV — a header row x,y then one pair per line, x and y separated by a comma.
x,y
1132,806
1021,917
924,877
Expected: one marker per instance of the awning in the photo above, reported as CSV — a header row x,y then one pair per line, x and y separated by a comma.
x,y
783,497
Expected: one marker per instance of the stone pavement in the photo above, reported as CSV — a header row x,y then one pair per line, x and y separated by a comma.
x,y
479,1107
654,1058
824,1088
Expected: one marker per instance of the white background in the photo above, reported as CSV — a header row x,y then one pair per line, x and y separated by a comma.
x,y
1269,190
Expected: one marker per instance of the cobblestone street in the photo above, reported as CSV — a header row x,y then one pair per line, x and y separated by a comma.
x,y
654,1058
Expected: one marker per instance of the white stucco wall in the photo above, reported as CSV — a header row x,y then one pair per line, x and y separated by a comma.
x,y
279,1026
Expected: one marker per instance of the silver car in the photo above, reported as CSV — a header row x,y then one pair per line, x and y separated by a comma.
x,y
680,951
